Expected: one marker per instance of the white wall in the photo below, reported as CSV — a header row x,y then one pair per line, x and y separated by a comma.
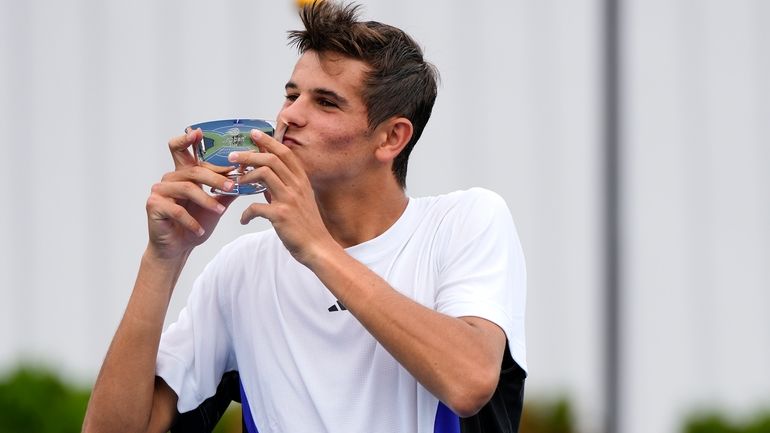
x,y
697,209
518,112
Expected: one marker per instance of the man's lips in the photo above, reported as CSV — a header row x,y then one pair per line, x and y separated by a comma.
x,y
290,141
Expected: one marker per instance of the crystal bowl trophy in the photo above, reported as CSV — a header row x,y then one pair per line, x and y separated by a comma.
x,y
220,138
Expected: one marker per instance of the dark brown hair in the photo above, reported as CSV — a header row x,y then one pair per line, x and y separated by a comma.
x,y
399,81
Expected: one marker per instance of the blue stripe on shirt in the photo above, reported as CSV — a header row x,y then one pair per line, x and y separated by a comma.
x,y
248,420
446,420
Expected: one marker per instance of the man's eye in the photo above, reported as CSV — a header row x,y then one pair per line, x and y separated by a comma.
x,y
326,103
291,97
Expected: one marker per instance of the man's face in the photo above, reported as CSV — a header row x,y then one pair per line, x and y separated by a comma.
x,y
327,120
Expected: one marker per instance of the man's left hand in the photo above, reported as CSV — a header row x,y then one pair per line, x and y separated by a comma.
x,y
291,206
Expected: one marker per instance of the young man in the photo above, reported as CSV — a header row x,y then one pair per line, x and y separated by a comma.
x,y
363,310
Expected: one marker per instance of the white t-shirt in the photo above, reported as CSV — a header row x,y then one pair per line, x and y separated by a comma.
x,y
306,364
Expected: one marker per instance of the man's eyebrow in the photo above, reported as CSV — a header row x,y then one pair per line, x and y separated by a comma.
x,y
326,93
334,96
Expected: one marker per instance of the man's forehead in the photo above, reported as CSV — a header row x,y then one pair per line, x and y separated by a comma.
x,y
329,69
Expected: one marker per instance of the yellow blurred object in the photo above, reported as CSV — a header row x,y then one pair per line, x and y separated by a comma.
x,y
303,3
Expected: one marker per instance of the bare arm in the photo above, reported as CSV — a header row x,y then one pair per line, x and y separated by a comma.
x,y
127,396
124,394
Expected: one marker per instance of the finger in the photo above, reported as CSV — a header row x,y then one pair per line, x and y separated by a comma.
x,y
285,178
266,175
180,147
256,210
270,145
268,196
217,168
225,200
200,175
161,208
280,131
189,191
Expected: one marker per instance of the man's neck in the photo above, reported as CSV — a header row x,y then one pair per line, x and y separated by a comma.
x,y
354,216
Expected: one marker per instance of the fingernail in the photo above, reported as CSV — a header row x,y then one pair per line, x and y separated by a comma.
x,y
201,232
257,133
232,157
220,209
228,186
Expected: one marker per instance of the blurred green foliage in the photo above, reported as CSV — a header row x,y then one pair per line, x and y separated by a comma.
x,y
716,422
548,416
36,400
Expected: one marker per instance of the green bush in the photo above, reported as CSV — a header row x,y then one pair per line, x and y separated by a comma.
x,y
716,422
547,416
35,400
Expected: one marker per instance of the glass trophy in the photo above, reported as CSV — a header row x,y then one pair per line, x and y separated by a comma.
x,y
220,137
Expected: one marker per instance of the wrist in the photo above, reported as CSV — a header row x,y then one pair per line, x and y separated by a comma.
x,y
322,255
162,269
166,256
155,282
344,276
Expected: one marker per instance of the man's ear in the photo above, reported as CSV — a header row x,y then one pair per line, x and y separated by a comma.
x,y
396,133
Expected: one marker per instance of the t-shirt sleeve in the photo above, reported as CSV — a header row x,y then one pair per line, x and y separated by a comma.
x,y
196,350
482,270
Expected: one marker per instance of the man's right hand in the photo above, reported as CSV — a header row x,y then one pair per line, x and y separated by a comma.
x,y
180,214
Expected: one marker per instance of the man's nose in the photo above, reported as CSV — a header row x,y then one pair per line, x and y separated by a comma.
x,y
295,114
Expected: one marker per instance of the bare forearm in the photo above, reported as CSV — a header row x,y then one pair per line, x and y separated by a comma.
x,y
454,359
123,394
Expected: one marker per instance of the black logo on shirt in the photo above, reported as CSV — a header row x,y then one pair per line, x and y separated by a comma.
x,y
334,307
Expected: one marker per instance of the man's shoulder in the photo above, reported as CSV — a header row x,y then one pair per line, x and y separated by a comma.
x,y
468,201
475,194
463,195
